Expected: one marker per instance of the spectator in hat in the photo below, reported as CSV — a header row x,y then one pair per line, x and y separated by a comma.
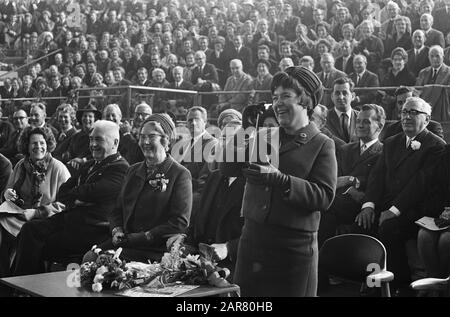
x,y
227,116
282,202
78,151
45,24
158,181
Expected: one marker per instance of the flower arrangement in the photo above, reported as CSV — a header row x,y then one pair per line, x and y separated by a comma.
x,y
159,183
105,270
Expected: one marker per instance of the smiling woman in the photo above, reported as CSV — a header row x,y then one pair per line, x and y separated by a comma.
x,y
33,186
156,198
278,252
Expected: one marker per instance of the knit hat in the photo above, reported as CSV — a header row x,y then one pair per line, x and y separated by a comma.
x,y
228,112
166,123
308,80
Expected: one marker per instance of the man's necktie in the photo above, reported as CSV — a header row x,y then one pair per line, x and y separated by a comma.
x,y
363,148
408,142
344,124
433,78
357,79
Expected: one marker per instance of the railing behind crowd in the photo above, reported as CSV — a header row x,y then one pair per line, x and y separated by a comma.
x,y
128,96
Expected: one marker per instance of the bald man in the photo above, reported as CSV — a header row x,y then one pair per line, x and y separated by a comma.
x,y
89,197
238,81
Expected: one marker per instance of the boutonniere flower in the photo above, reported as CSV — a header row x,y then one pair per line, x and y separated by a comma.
x,y
159,183
415,145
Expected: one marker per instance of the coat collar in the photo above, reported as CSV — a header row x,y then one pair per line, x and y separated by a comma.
x,y
303,136
162,168
405,153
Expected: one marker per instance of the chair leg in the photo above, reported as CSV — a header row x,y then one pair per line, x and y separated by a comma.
x,y
385,290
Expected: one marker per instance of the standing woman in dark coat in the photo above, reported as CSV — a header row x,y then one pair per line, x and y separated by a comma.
x,y
278,252
156,198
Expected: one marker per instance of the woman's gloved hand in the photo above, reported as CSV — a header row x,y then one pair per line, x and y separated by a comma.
x,y
265,175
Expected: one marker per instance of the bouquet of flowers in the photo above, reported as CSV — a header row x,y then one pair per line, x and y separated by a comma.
x,y
105,270
180,266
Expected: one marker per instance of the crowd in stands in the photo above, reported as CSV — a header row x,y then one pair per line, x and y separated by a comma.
x,y
73,138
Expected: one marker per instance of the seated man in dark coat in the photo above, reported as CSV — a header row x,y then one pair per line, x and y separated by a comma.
x,y
218,221
402,155
401,94
89,197
355,161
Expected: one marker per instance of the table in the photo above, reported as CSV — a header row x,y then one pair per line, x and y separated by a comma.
x,y
54,284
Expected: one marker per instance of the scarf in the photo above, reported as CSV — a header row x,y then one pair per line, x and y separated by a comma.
x,y
36,171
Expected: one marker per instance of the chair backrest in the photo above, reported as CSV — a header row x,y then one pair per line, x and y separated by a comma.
x,y
349,256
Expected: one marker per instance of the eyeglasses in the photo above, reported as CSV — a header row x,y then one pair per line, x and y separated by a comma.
x,y
142,114
412,113
152,136
19,118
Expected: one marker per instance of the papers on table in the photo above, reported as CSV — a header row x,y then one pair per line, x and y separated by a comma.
x,y
428,223
168,291
10,208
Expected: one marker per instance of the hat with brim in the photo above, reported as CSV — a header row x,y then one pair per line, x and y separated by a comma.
x,y
89,108
248,2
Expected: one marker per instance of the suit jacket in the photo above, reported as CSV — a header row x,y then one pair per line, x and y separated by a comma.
x,y
182,100
416,64
376,50
332,76
368,79
393,171
430,186
442,20
436,95
209,73
396,127
348,67
245,55
352,163
229,224
97,187
192,157
434,37
334,125
169,211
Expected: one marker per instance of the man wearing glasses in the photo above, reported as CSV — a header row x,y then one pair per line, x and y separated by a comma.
x,y
387,193
9,149
401,94
130,134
